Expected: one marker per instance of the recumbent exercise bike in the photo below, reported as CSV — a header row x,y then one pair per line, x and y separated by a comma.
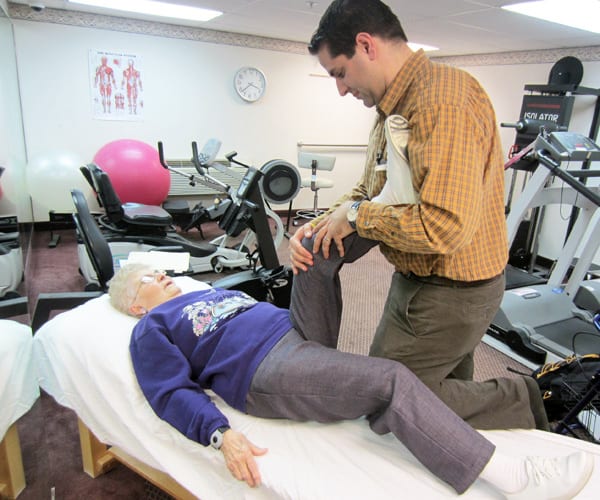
x,y
246,208
137,227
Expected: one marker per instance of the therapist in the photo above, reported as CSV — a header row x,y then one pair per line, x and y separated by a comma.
x,y
248,353
445,236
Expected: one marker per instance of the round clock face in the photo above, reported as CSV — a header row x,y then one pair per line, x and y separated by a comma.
x,y
250,83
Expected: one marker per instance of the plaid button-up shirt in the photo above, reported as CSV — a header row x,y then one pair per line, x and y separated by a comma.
x,y
457,229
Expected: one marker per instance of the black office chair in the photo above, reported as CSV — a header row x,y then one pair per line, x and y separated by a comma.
x,y
96,246
100,256
124,217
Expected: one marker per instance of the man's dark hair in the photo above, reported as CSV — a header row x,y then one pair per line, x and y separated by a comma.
x,y
344,19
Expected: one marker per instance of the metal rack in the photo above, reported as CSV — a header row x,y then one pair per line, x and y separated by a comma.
x,y
584,411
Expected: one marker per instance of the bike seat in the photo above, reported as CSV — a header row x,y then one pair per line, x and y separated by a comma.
x,y
145,215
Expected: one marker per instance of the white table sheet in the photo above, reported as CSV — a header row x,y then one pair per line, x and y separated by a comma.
x,y
18,382
83,362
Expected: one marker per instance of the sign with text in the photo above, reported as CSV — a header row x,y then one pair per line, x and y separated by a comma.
x,y
553,109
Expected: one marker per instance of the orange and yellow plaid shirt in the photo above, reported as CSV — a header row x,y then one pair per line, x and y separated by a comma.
x,y
457,230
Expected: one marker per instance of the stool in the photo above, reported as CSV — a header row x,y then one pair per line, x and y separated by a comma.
x,y
315,162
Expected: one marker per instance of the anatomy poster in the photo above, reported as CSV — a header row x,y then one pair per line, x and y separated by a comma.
x,y
117,91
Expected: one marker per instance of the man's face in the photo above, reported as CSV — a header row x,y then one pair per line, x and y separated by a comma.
x,y
352,75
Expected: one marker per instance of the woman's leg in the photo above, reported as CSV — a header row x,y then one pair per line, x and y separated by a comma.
x,y
316,303
302,380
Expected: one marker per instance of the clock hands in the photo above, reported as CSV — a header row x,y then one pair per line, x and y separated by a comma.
x,y
249,85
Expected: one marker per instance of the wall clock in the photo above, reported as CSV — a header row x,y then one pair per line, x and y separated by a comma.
x,y
250,83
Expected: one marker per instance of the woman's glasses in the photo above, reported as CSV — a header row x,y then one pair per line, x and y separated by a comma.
x,y
146,279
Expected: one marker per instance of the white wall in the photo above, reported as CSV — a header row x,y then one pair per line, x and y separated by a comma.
x,y
188,95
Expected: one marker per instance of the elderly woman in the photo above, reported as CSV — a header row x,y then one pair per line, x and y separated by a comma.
x,y
248,353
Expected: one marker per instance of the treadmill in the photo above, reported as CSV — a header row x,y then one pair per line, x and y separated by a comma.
x,y
521,268
551,321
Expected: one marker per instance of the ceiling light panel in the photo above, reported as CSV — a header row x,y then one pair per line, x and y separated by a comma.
x,y
154,8
580,14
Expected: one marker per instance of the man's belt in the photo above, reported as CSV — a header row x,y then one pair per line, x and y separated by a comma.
x,y
441,281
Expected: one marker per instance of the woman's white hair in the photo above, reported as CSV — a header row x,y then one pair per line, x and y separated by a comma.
x,y
122,288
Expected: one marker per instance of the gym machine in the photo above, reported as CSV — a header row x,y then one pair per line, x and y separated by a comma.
x,y
556,318
11,265
271,281
134,227
11,258
548,106
246,211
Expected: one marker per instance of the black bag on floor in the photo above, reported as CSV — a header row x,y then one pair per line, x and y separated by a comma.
x,y
563,383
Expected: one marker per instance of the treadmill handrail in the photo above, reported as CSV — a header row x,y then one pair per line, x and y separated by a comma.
x,y
554,148
564,175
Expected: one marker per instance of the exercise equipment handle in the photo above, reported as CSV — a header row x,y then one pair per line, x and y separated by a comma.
x,y
230,157
163,162
161,155
528,126
202,169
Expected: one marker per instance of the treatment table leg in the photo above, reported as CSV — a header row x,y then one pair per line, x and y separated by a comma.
x,y
12,474
95,455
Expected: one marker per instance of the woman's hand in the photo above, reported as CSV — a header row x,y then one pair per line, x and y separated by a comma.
x,y
239,455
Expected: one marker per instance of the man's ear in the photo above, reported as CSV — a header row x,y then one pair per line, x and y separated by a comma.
x,y
366,43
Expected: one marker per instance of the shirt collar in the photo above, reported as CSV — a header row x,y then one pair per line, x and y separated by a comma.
x,y
401,83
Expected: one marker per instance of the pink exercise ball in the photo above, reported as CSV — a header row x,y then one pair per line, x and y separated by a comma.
x,y
135,171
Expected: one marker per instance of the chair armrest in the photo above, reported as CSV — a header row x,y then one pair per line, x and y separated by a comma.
x,y
13,307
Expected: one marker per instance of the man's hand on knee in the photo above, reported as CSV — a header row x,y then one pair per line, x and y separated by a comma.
x,y
333,230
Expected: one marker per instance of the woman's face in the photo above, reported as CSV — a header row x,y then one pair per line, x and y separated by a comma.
x,y
152,289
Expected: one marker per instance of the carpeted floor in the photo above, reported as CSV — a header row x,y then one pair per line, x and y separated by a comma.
x,y
49,434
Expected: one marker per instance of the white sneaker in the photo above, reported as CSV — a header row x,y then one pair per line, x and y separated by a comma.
x,y
555,478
